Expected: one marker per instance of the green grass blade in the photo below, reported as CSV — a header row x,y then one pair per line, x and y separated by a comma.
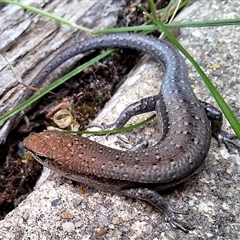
x,y
50,87
47,14
151,28
117,130
221,102
220,22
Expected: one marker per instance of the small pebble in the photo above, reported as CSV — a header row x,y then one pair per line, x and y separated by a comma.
x,y
68,226
56,202
76,202
103,218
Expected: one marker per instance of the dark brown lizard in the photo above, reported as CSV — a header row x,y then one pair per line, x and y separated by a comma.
x,y
181,149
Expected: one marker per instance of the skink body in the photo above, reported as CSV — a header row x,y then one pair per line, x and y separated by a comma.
x,y
181,149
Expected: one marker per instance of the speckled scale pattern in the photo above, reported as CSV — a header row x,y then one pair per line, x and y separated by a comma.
x,y
140,174
181,149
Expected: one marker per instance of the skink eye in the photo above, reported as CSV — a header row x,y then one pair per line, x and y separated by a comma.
x,y
41,159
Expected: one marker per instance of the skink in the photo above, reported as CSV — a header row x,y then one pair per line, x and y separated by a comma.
x,y
180,151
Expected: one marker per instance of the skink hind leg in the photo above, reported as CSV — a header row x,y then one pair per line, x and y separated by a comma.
x,y
228,140
215,117
159,202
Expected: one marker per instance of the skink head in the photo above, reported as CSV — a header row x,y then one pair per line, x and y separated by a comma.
x,y
45,147
39,147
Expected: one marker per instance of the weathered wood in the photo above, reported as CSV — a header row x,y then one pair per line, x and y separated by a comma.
x,y
28,41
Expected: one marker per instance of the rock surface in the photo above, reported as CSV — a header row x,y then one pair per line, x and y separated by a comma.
x,y
57,211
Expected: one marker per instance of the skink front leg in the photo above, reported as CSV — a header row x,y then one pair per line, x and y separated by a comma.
x,y
142,106
216,119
